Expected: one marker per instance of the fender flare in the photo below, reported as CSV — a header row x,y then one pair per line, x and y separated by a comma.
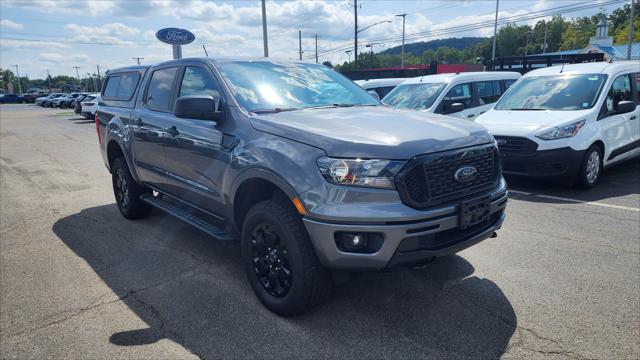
x,y
111,136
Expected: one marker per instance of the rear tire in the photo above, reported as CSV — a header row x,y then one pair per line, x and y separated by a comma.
x,y
127,192
280,261
591,168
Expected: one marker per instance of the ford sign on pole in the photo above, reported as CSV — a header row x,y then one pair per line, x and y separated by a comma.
x,y
175,37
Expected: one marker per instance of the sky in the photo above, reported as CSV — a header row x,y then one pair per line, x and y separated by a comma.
x,y
56,35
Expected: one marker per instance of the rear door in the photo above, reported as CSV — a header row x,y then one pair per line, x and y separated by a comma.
x,y
619,131
488,92
195,158
149,122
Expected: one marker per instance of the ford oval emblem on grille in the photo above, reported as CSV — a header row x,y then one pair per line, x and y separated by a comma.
x,y
465,174
501,141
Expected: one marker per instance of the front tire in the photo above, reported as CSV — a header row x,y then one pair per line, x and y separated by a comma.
x,y
280,261
591,168
127,192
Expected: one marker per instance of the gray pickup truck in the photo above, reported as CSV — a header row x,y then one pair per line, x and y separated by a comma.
x,y
314,176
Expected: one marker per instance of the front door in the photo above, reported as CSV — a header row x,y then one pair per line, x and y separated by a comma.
x,y
618,130
195,154
461,93
149,122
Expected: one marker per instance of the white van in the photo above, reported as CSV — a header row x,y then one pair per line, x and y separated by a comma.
x,y
381,87
462,95
569,121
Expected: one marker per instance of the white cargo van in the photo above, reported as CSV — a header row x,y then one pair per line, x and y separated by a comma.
x,y
462,95
569,121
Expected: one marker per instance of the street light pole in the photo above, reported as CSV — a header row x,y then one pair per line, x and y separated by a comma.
x,y
355,43
404,16
18,76
264,29
495,31
631,28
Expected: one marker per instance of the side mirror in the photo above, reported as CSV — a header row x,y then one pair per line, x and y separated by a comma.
x,y
455,107
625,107
197,107
374,94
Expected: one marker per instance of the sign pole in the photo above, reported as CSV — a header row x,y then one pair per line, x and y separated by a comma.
x,y
177,51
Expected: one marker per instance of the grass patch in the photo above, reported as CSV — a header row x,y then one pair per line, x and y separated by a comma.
x,y
66,113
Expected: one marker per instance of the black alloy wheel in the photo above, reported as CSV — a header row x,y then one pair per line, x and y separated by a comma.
x,y
270,260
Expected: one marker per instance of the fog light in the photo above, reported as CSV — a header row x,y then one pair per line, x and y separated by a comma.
x,y
358,242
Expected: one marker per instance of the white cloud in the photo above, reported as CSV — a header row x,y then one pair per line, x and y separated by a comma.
x,y
10,24
107,33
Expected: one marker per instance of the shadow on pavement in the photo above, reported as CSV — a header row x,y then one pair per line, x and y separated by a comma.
x,y
617,181
192,290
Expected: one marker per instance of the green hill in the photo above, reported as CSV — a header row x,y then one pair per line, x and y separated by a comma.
x,y
418,48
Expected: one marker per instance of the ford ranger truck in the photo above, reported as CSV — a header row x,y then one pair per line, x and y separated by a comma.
x,y
307,170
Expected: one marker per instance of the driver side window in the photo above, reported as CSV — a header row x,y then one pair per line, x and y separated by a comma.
x,y
458,94
620,91
197,81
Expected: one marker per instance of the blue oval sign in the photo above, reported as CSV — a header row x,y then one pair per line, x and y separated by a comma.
x,y
175,36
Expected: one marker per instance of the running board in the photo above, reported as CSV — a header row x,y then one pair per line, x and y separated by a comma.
x,y
202,225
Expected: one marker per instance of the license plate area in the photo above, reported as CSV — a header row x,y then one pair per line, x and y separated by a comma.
x,y
474,212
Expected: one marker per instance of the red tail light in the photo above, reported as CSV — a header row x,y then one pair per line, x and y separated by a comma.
x,y
98,128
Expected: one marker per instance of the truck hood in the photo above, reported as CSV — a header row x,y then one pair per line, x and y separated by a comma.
x,y
372,131
521,123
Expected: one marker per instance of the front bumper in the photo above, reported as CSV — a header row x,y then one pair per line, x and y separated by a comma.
x,y
556,163
406,242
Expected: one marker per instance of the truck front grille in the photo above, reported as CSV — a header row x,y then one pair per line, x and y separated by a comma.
x,y
430,179
516,145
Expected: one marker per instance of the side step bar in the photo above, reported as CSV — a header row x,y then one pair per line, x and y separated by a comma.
x,y
216,232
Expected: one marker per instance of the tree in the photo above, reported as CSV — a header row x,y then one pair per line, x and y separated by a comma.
x,y
327,64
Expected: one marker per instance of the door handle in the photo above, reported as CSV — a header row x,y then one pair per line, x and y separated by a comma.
x,y
471,115
173,131
633,117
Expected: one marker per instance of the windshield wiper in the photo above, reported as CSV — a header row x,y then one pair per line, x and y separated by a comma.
x,y
272,110
527,109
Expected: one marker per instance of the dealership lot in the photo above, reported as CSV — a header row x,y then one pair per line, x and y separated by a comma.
x,y
561,280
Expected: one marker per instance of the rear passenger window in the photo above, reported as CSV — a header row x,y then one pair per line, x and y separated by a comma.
x,y
636,76
121,87
488,91
458,94
159,89
508,83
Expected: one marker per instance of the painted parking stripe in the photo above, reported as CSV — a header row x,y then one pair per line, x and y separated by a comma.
x,y
519,192
597,203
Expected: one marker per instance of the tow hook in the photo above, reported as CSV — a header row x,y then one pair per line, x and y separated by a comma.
x,y
494,235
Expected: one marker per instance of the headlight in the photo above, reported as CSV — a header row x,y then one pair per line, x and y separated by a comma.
x,y
562,132
356,172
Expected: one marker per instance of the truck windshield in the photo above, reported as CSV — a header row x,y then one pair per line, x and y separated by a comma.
x,y
263,86
414,96
564,92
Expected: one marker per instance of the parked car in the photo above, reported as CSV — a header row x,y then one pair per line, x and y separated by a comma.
x,y
11,99
64,102
305,181
569,121
89,106
47,101
461,95
77,103
380,87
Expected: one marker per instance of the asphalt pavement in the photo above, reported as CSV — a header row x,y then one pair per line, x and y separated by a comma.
x,y
77,280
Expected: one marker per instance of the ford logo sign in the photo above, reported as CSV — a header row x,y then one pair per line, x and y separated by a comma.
x,y
465,174
501,142
175,36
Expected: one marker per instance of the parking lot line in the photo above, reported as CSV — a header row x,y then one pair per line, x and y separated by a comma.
x,y
589,202
519,192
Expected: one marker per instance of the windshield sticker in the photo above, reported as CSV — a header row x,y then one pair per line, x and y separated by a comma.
x,y
585,105
593,78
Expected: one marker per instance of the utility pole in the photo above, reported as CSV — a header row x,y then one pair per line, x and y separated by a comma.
x,y
404,16
495,31
99,79
205,51
78,75
141,58
316,48
300,43
18,77
544,43
631,28
49,78
264,29
355,43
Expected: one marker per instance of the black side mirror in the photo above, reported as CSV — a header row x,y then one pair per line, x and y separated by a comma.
x,y
374,94
197,107
625,107
455,107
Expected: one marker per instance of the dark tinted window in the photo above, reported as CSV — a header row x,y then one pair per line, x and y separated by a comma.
x,y
111,89
488,91
159,89
127,86
620,91
197,81
636,76
508,83
458,94
383,91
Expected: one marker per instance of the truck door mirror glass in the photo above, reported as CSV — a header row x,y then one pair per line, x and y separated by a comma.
x,y
625,107
374,94
455,107
197,107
